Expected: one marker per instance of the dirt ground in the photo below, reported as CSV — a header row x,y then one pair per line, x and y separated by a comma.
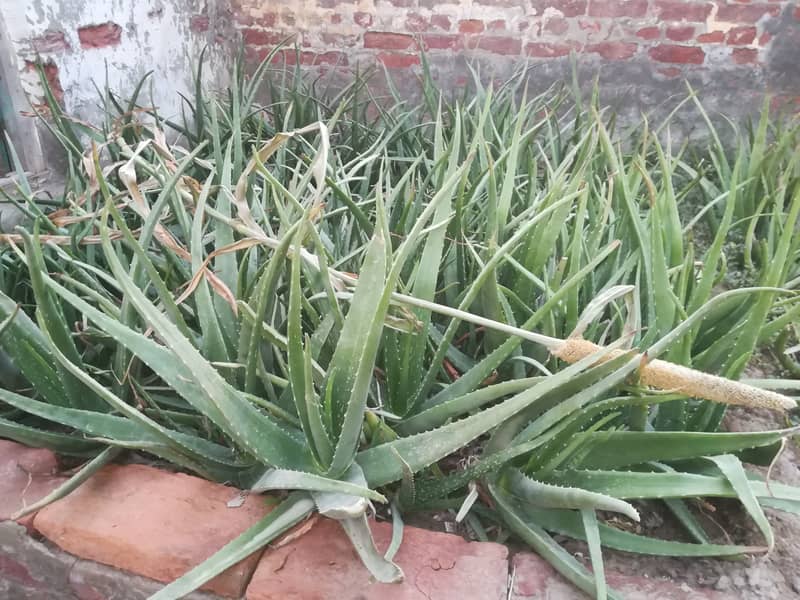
x,y
774,576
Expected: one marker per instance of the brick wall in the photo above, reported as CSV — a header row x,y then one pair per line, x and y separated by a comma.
x,y
741,47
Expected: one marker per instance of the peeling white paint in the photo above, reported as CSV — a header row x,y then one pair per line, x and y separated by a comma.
x,y
155,36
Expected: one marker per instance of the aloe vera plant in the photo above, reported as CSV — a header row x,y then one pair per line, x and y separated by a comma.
x,y
301,297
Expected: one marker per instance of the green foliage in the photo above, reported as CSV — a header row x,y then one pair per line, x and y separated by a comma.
x,y
303,296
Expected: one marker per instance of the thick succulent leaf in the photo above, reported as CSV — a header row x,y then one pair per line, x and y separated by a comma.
x,y
381,568
519,521
350,371
614,449
734,472
544,495
61,443
199,384
29,350
590,527
281,479
385,463
569,523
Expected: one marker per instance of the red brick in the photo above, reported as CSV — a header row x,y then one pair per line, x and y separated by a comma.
x,y
590,26
670,72
336,18
764,38
145,520
26,476
394,60
259,37
496,25
385,40
441,41
199,23
417,23
549,50
338,40
50,41
364,19
741,36
618,8
679,33
683,10
649,33
613,50
568,8
470,26
745,13
265,21
796,13
673,53
100,36
712,37
322,565
441,22
745,56
557,25
52,76
495,44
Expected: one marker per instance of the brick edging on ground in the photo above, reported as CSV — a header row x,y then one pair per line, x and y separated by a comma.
x,y
148,526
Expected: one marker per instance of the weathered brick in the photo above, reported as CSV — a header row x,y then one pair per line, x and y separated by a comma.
x,y
338,40
568,8
323,565
364,19
27,474
741,36
683,10
549,50
100,36
441,41
745,56
495,44
259,37
199,23
556,25
712,37
386,40
417,23
496,25
144,520
51,75
670,72
649,33
618,8
745,13
441,22
679,33
674,53
470,26
613,50
50,41
396,60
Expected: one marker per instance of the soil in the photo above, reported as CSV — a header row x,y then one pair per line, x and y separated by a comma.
x,y
762,577
754,577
